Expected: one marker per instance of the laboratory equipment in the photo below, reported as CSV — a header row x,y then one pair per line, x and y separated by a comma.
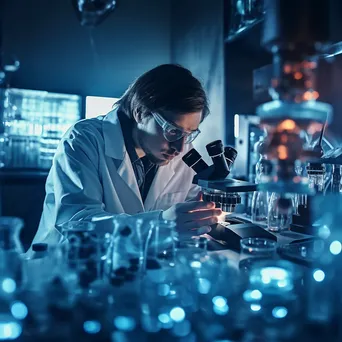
x,y
160,244
280,211
34,122
125,253
216,151
84,250
244,15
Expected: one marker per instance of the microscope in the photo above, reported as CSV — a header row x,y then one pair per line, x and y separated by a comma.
x,y
225,192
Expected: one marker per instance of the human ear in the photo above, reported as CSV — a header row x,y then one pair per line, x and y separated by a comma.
x,y
137,115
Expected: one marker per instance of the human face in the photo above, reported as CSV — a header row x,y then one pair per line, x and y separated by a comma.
x,y
151,139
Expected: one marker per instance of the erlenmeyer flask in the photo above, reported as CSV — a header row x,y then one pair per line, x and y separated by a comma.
x,y
11,263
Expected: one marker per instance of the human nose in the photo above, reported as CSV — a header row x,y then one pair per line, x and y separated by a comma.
x,y
178,145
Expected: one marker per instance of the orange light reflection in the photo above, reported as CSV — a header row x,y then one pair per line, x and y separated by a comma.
x,y
282,152
287,125
298,75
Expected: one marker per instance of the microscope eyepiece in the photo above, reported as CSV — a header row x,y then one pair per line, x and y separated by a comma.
x,y
215,150
230,154
194,160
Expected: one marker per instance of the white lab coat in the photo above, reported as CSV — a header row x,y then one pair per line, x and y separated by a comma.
x,y
92,176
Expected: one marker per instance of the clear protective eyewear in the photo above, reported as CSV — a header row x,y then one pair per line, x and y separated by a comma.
x,y
173,133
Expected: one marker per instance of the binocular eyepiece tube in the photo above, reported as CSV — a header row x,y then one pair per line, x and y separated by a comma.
x,y
230,154
194,160
215,150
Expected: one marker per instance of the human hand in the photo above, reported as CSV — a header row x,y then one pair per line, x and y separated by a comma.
x,y
195,216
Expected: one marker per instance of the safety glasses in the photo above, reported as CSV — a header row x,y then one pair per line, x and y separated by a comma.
x,y
173,133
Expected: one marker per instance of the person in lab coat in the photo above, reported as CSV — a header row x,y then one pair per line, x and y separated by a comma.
x,y
129,161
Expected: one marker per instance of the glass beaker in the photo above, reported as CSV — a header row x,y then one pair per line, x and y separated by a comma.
x,y
253,249
160,244
125,255
280,211
270,302
260,207
11,262
83,250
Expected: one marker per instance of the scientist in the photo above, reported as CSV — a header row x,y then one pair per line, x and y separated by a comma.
x,y
129,161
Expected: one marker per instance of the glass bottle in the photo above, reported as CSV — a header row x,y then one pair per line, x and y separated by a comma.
x,y
260,199
315,173
336,179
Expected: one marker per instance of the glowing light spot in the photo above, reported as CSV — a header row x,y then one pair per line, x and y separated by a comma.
x,y
219,301
335,247
282,283
287,125
9,285
19,310
282,152
125,323
10,330
255,307
92,327
177,314
221,310
204,286
164,318
319,275
279,312
310,95
287,68
195,264
163,290
249,295
298,75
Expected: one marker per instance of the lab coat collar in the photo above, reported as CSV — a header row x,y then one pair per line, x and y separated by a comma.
x,y
113,136
115,148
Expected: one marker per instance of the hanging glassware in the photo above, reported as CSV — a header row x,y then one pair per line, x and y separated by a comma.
x,y
244,15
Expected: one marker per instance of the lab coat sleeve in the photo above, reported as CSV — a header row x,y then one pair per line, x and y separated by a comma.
x,y
77,185
193,192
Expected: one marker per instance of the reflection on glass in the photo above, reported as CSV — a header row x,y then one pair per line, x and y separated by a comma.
x,y
281,208
244,14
